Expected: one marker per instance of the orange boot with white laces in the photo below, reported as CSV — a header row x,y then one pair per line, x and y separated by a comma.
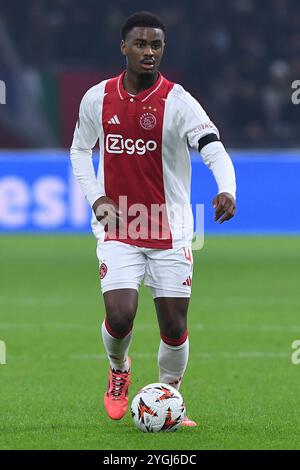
x,y
116,395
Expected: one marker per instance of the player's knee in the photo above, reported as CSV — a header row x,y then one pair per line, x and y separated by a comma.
x,y
120,319
174,331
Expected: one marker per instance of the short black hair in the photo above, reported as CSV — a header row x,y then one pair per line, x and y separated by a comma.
x,y
142,18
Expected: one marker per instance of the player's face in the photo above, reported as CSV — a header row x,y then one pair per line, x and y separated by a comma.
x,y
143,49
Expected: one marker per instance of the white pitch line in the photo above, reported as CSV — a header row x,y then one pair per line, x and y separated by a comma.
x,y
246,327
38,301
62,326
204,300
204,354
152,356
146,326
46,326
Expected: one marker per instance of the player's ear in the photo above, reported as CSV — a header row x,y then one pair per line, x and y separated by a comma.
x,y
123,47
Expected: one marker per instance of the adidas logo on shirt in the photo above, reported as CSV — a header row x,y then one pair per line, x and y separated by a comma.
x,y
114,120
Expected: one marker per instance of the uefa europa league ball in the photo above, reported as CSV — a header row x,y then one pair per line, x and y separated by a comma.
x,y
158,407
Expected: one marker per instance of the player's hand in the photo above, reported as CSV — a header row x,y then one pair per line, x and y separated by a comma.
x,y
107,212
225,206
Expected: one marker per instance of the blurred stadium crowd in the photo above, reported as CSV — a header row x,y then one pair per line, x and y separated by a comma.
x,y
238,57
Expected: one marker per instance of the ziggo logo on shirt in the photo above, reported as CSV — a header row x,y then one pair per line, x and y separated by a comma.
x,y
115,143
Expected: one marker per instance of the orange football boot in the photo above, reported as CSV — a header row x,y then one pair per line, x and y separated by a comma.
x,y
116,395
187,422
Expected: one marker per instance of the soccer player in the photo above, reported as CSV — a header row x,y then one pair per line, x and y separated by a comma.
x,y
141,199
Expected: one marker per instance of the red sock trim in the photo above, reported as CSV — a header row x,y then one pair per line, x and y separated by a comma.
x,y
113,333
175,342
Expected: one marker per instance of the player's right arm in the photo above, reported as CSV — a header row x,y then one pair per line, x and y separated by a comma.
x,y
86,134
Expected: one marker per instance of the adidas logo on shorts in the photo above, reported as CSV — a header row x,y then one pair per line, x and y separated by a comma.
x,y
187,282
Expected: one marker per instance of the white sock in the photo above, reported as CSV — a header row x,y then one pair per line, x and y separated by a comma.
x,y
117,349
172,362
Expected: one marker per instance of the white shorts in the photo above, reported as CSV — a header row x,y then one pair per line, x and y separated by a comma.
x,y
123,266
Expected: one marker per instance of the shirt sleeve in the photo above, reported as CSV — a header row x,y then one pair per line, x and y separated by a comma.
x,y
218,161
194,122
194,125
85,137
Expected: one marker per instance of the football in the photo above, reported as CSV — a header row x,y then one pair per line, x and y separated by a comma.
x,y
158,407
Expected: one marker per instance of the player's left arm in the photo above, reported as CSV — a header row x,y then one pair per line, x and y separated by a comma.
x,y
218,161
202,135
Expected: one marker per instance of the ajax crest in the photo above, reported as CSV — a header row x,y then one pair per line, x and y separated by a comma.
x,y
102,270
148,121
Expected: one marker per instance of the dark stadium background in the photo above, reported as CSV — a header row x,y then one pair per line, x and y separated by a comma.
x,y
240,59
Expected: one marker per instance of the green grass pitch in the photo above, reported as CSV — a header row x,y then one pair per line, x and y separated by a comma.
x,y
240,386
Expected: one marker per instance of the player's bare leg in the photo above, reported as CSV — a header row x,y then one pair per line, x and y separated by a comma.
x,y
174,346
121,306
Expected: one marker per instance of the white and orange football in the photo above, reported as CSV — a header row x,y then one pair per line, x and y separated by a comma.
x,y
158,407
